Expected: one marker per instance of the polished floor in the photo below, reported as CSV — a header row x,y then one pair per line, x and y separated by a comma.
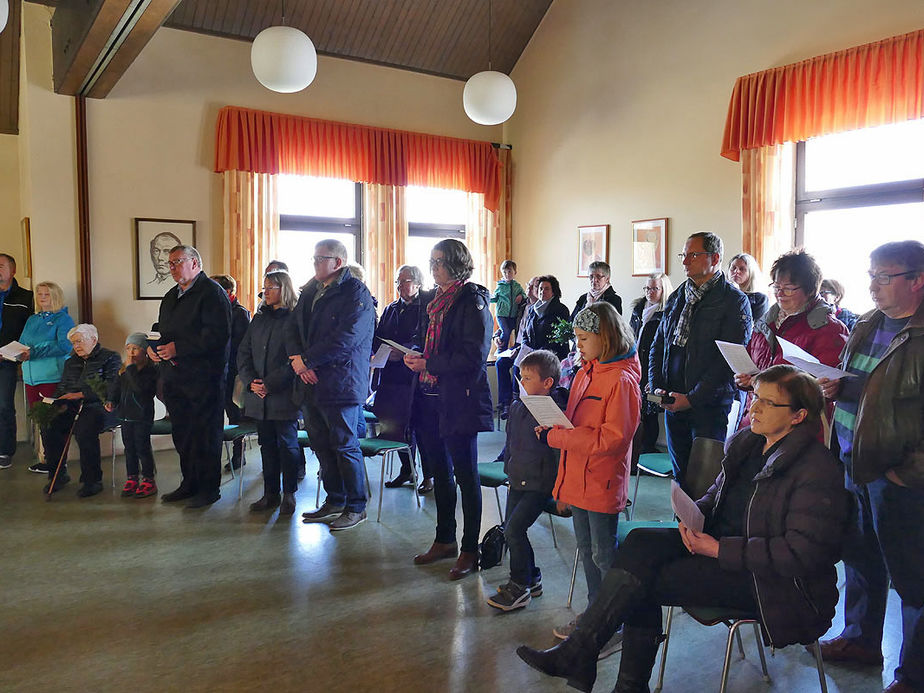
x,y
106,594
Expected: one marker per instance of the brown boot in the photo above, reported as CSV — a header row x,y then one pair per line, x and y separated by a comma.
x,y
267,502
436,552
287,507
467,563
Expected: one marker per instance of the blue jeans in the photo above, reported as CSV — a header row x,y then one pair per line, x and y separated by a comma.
x,y
523,509
507,326
596,538
684,426
136,437
332,432
504,368
8,377
886,540
281,455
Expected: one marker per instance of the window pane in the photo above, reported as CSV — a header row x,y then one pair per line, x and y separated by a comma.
x,y
436,206
863,157
417,250
842,239
296,249
317,197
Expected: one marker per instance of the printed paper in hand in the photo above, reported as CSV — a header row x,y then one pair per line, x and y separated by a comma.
x,y
791,351
524,352
685,509
13,351
737,357
381,356
48,400
545,411
819,370
508,354
400,347
523,392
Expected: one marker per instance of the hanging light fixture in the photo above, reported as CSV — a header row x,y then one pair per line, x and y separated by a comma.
x,y
283,58
489,97
4,13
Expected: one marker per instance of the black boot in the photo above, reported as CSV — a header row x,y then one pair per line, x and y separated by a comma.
x,y
639,649
575,658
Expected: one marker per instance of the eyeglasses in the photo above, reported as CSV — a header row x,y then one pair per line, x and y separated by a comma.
x,y
767,403
399,282
437,262
652,289
784,290
173,264
598,276
689,256
884,278
318,259
271,288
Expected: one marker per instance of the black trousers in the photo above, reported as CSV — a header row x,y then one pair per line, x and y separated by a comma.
x,y
197,416
93,419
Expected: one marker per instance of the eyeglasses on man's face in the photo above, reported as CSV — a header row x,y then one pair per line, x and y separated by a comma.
x,y
173,264
683,257
652,289
884,278
318,259
781,290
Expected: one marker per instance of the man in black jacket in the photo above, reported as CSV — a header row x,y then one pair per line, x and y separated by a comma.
x,y
329,344
15,308
195,327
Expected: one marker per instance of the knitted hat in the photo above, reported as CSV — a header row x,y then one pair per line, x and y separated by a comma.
x,y
138,339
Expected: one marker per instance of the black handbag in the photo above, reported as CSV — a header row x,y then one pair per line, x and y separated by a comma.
x,y
492,547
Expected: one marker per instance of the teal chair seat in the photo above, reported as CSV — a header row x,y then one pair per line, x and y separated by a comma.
x,y
656,463
303,439
234,431
161,427
374,446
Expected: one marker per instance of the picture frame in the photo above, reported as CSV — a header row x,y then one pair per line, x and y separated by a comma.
x,y
26,226
593,242
153,240
649,246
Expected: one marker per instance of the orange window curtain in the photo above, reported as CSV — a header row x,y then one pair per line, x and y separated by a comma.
x,y
767,201
488,234
251,217
384,238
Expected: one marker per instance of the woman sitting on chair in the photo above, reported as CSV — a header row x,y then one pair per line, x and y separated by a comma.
x,y
774,522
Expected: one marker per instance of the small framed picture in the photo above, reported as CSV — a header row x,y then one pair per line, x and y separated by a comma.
x,y
592,246
649,246
153,240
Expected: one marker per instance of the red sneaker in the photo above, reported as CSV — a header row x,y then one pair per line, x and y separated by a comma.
x,y
131,487
146,488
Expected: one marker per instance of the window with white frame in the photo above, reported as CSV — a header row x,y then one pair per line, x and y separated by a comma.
x,y
433,214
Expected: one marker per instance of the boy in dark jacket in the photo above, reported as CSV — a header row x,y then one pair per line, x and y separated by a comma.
x,y
137,386
531,467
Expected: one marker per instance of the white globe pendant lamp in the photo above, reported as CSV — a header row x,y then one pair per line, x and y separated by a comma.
x,y
489,97
283,58
4,13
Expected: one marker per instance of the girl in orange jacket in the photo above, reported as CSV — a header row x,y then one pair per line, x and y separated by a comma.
x,y
603,406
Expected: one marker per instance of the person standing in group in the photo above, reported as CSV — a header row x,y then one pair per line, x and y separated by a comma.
x,y
263,367
603,406
328,344
194,322
453,400
543,316
15,308
45,335
509,297
240,319
506,371
685,363
744,272
832,291
600,289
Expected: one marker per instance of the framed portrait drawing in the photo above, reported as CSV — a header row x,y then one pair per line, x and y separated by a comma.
x,y
649,246
592,246
153,240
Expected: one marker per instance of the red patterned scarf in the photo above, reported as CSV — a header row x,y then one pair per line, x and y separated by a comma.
x,y
436,310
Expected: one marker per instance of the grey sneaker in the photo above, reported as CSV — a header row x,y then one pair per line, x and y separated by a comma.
x,y
563,632
326,510
612,647
6,461
510,597
347,520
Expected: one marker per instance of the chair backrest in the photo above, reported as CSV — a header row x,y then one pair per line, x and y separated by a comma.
x,y
704,465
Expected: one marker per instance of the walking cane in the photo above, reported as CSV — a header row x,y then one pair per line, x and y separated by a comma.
x,y
67,445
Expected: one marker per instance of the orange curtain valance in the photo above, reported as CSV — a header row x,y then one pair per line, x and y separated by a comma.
x,y
865,86
263,142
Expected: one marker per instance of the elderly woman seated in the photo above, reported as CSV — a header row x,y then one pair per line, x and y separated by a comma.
x,y
88,382
774,523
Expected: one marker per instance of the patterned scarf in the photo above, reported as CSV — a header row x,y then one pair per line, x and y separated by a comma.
x,y
436,310
694,294
594,296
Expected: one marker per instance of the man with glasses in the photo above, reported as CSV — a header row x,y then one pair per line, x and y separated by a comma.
x,y
878,421
195,331
684,363
329,343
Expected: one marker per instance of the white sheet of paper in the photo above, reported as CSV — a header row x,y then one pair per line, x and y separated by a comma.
x,y
791,351
737,357
524,352
381,356
819,370
545,411
48,400
523,392
400,347
13,351
507,354
685,509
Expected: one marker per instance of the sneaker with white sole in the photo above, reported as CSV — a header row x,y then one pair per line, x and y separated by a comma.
x,y
6,461
326,510
510,596
348,520
40,468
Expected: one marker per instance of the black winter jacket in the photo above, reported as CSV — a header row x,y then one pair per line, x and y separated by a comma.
x,y
135,390
334,340
538,330
240,319
724,313
644,337
17,307
262,355
530,464
400,323
101,362
610,296
459,363
794,531
199,323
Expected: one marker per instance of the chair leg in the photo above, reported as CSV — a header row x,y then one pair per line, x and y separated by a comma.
x,y
667,639
820,665
414,477
760,651
638,475
317,496
740,644
729,646
500,513
112,449
577,555
385,457
240,480
552,529
368,485
228,455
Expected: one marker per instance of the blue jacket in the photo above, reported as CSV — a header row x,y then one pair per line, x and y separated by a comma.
x,y
724,313
46,334
334,340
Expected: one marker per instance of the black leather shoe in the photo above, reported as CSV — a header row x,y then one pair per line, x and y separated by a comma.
x,y
60,482
267,502
202,500
425,486
181,493
90,489
398,481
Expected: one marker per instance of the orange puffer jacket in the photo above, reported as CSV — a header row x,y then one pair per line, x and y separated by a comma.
x,y
604,407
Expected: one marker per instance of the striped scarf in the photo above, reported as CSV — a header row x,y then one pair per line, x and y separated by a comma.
x,y
694,294
436,311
